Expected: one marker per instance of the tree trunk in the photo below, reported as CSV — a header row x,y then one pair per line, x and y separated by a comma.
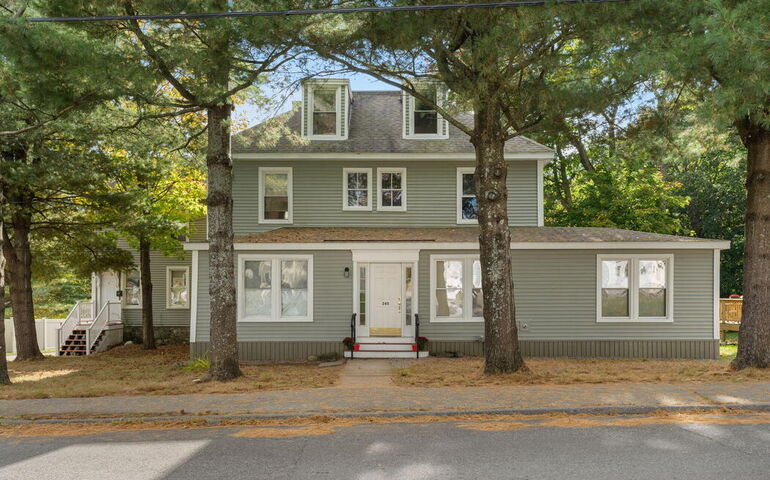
x,y
224,334
4,378
148,331
754,335
18,257
501,343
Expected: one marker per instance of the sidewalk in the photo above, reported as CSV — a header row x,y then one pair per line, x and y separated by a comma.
x,y
376,397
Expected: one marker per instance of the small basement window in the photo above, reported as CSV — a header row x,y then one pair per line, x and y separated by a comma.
x,y
634,288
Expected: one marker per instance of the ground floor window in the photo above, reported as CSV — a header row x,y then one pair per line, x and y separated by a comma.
x,y
634,288
132,289
177,287
275,288
456,289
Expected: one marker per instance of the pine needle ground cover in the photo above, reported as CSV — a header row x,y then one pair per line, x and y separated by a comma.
x,y
129,370
468,372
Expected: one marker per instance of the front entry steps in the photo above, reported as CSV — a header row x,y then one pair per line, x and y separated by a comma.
x,y
379,347
75,344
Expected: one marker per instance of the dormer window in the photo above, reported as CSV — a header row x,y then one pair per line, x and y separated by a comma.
x,y
421,120
325,106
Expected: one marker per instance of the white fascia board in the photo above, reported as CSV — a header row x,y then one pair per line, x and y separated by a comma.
x,y
711,245
384,156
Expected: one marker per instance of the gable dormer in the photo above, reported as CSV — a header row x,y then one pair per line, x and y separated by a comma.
x,y
420,120
326,109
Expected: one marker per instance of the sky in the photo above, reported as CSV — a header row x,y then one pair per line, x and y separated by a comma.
x,y
248,115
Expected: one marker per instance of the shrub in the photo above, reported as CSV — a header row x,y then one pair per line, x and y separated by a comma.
x,y
199,364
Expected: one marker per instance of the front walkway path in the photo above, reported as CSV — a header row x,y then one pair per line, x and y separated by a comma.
x,y
373,396
370,373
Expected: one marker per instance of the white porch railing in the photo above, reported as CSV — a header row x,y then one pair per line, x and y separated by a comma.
x,y
82,312
110,313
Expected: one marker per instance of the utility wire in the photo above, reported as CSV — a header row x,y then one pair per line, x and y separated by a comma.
x,y
315,11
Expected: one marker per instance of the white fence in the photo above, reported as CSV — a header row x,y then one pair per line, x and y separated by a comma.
x,y
47,337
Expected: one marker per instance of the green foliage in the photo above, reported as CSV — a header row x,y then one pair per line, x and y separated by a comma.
x,y
55,298
198,364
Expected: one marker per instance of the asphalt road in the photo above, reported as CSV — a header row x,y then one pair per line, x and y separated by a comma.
x,y
400,451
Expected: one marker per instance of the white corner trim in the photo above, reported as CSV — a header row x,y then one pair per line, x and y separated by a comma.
x,y
441,157
427,245
716,293
404,186
633,287
181,268
369,189
289,171
540,195
194,297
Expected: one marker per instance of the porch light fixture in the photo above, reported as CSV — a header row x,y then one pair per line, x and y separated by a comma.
x,y
346,272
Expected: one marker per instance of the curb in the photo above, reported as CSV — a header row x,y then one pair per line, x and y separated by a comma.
x,y
214,419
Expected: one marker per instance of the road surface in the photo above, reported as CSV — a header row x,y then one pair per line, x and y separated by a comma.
x,y
439,450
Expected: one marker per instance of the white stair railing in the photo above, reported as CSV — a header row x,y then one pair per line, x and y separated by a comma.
x,y
110,313
80,313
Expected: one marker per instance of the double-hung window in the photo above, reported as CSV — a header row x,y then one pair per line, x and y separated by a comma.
x,y
178,287
421,119
467,203
132,289
275,195
325,101
357,187
634,288
392,189
456,289
275,288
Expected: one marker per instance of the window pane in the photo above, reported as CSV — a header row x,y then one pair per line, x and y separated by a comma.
x,y
324,123
478,303
396,198
652,274
615,302
387,198
395,180
178,291
385,180
358,180
450,302
449,274
276,184
468,186
615,274
358,198
133,293
425,122
470,208
408,294
652,302
294,279
449,291
325,99
431,93
257,282
362,296
276,208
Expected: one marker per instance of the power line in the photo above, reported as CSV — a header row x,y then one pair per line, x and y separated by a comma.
x,y
314,11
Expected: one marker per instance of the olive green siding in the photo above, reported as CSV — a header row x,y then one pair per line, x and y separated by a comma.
x,y
162,316
431,194
555,301
555,292
332,302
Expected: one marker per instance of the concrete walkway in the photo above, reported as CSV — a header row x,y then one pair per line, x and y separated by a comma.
x,y
369,373
368,394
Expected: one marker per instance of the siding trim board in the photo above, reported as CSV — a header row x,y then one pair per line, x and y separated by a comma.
x,y
701,245
471,157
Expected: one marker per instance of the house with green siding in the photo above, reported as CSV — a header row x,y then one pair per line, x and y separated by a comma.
x,y
355,216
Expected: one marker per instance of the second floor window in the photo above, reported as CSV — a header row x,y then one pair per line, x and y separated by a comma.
x,y
467,203
392,194
275,185
356,188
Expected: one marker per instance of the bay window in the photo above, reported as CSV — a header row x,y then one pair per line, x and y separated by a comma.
x,y
634,288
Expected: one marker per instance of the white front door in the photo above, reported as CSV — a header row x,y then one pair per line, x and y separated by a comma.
x,y
386,289
109,284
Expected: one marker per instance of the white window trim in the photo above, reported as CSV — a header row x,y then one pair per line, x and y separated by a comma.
x,y
409,132
290,192
467,260
178,268
633,294
337,110
275,288
402,171
460,220
123,280
370,188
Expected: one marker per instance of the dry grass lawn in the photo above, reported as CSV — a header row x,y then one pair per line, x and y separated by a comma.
x,y
468,372
129,370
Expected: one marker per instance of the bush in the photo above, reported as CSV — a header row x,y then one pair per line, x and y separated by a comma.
x,y
199,364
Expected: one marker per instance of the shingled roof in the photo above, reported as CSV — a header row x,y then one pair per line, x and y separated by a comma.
x,y
460,235
375,127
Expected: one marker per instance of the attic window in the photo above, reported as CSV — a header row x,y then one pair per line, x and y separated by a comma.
x,y
325,109
421,120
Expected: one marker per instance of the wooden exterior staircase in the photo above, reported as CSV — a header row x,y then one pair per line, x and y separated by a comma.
x,y
85,332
